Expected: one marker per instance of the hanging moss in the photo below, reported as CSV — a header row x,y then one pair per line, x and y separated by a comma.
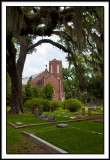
x,y
14,20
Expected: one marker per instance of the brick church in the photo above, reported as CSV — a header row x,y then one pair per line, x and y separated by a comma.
x,y
53,76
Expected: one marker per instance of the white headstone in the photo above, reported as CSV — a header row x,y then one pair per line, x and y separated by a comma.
x,y
62,125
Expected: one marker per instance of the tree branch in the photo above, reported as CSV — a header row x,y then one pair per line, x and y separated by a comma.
x,y
51,42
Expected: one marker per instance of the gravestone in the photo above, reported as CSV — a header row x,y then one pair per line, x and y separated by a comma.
x,y
65,116
40,109
89,111
51,118
83,111
35,106
61,125
19,123
36,112
43,115
75,112
72,117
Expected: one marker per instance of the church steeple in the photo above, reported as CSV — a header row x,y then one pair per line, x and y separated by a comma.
x,y
55,67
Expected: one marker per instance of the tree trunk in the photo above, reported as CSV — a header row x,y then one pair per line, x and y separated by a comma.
x,y
16,94
15,71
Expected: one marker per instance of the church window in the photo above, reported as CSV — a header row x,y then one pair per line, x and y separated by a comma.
x,y
57,68
51,68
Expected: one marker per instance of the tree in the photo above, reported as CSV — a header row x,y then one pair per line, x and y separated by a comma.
x,y
20,27
27,94
85,34
36,91
96,86
8,88
48,91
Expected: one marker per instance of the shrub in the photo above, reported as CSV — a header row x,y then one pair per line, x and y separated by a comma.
x,y
39,101
47,91
46,104
55,104
73,104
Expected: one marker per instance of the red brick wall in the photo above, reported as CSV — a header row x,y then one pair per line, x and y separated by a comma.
x,y
55,82
56,79
54,64
35,81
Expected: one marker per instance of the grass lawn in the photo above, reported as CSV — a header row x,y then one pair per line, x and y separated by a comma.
x,y
30,119
79,137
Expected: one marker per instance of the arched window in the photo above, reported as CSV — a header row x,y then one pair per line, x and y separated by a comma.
x,y
57,68
51,69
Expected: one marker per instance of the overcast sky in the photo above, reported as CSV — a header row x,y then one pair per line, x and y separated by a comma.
x,y
44,53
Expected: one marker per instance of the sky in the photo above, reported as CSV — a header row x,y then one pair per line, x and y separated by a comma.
x,y
44,53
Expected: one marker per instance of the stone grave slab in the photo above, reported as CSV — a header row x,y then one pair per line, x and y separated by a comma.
x,y
35,106
65,116
51,118
19,123
40,109
44,115
36,113
72,117
61,125
75,112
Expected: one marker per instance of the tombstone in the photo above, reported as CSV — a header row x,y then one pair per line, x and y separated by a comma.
x,y
51,118
65,116
75,112
40,109
35,106
83,111
36,112
19,123
89,111
72,117
43,115
61,125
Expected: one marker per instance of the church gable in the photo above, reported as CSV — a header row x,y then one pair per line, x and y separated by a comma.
x,y
52,79
38,79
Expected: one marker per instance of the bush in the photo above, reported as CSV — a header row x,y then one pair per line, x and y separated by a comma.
x,y
39,101
46,104
47,91
55,104
73,104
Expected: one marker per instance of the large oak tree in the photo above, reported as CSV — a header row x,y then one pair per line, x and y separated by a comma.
x,y
85,33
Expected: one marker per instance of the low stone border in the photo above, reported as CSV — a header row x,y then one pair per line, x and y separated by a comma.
x,y
44,143
11,124
100,121
40,124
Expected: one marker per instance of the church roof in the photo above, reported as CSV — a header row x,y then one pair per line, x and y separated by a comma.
x,y
36,75
25,80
